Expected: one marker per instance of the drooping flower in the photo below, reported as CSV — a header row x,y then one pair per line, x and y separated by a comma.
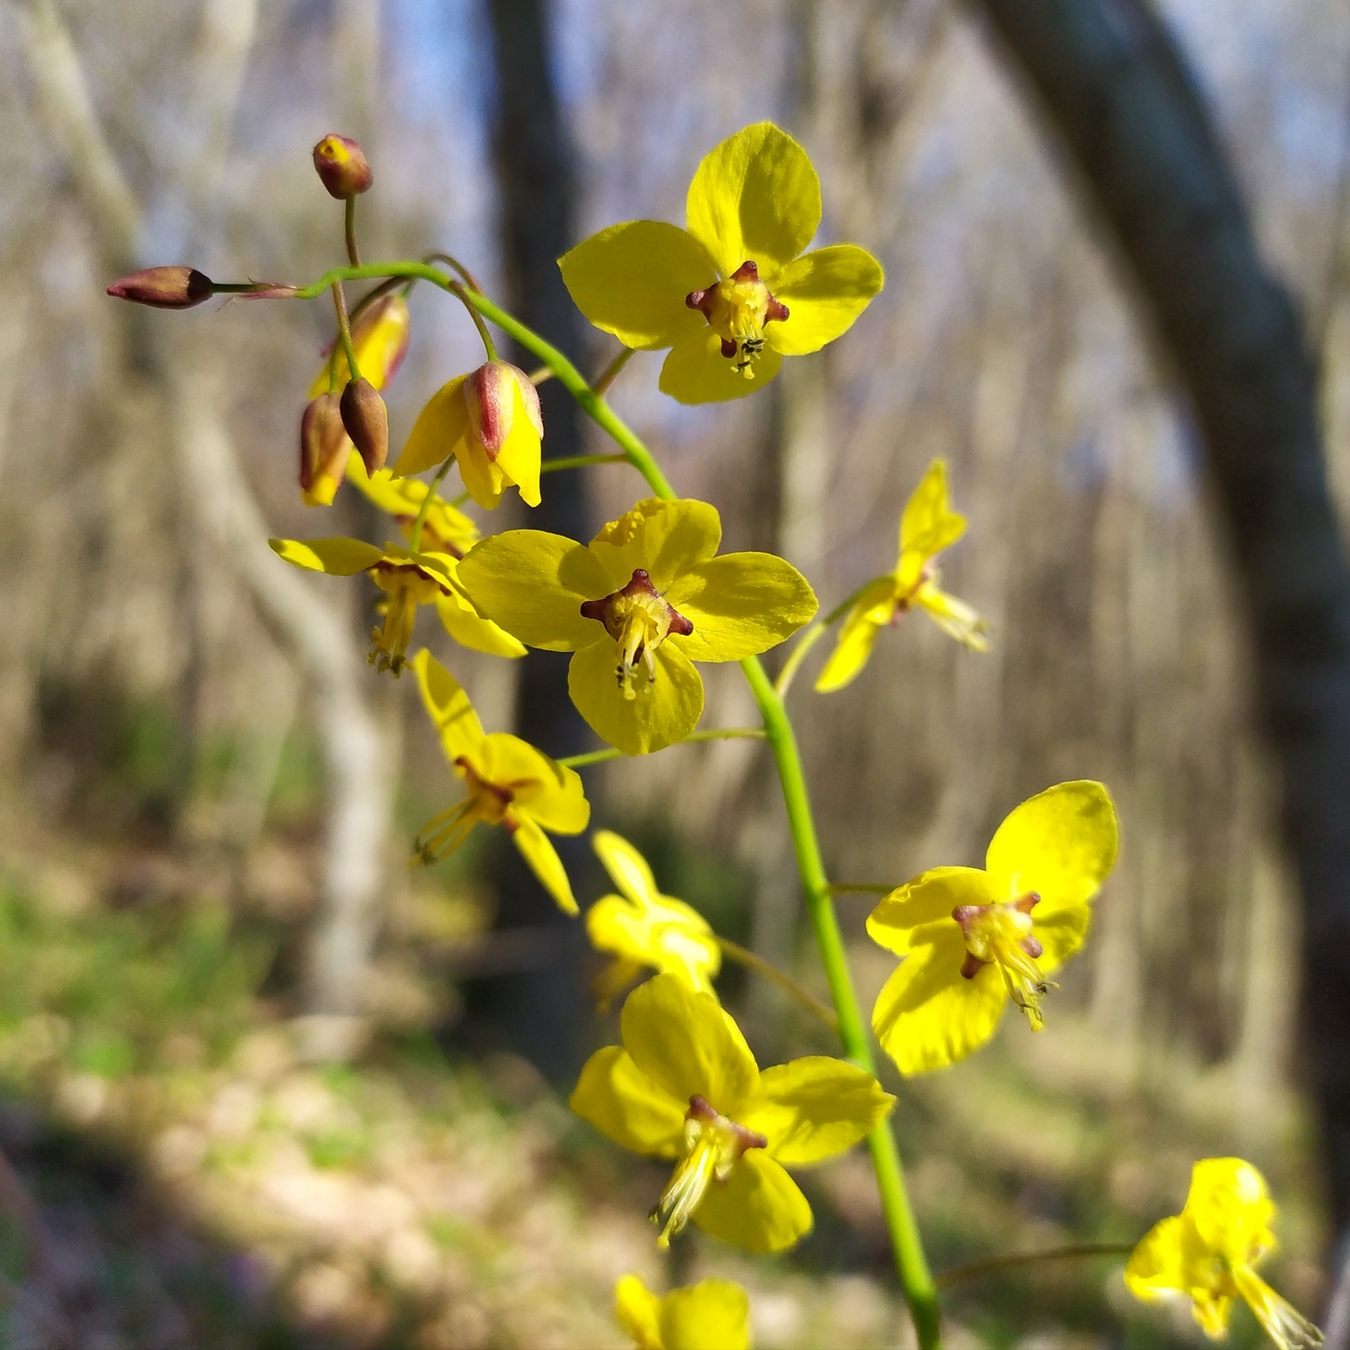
x,y
638,605
643,929
684,1085
709,1315
730,296
508,783
408,580
490,421
973,939
1208,1253
927,527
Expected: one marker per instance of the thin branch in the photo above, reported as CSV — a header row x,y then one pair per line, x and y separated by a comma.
x,y
745,957
580,462
861,888
727,734
611,371
974,1270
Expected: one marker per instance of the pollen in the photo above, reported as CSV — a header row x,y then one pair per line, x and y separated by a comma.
x,y
639,620
1001,935
737,310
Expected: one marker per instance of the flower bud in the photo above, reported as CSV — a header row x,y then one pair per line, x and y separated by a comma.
x,y
380,337
164,287
490,392
323,450
367,422
342,166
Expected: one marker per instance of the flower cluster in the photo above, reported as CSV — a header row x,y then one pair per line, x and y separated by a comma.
x,y
640,606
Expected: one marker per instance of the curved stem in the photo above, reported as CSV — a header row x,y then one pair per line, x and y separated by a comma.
x,y
795,658
580,462
415,539
611,371
974,1270
609,752
745,957
345,332
349,229
456,266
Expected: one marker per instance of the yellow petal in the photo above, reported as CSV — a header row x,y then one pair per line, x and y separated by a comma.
x,y
929,898
956,618
1230,1206
550,792
518,459
482,479
665,538
815,1107
470,629
440,427
533,585
1060,843
403,498
825,292
338,557
537,850
631,280
686,1044
380,337
759,1207
928,525
873,611
615,1096
928,1015
1280,1320
638,1311
1157,1265
627,868
665,934
709,1315
448,707
695,371
754,198
664,709
740,604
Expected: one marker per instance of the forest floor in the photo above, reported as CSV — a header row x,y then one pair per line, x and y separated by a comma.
x,y
185,1175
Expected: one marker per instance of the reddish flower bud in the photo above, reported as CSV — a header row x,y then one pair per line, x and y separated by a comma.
x,y
342,166
490,392
367,422
324,448
164,287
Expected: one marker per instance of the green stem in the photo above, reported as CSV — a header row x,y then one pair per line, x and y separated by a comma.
x,y
580,462
611,372
795,658
345,331
719,734
751,961
861,888
974,1270
349,229
415,539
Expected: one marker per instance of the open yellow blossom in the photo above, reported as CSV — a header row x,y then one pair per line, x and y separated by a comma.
x,y
644,929
638,605
380,339
509,783
684,1085
926,528
489,420
709,1315
408,580
1208,1252
730,295
972,939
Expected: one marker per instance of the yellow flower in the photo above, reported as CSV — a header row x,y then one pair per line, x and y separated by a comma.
x,y
638,605
643,928
408,580
509,783
490,421
380,338
729,296
1208,1251
709,1315
971,939
926,528
684,1085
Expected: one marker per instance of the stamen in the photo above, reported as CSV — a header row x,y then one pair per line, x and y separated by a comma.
x,y
639,620
737,310
1000,934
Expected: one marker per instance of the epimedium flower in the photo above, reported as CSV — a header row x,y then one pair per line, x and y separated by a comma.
x,y
408,580
732,294
489,420
972,939
684,1085
709,1315
642,929
1208,1252
638,605
927,526
508,783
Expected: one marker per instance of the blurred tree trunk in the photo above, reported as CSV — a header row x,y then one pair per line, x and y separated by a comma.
x,y
541,1010
1117,90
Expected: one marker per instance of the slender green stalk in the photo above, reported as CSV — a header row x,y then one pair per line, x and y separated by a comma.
x,y
717,734
611,372
795,658
415,539
752,961
974,1270
579,462
349,229
861,888
344,332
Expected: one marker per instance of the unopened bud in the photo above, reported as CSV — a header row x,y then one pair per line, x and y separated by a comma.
x,y
490,392
323,450
342,166
164,287
367,422
380,336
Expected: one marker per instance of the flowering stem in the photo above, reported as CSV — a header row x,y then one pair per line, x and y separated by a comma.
x,y
345,331
415,539
795,658
974,1270
751,961
717,734
349,228
580,462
